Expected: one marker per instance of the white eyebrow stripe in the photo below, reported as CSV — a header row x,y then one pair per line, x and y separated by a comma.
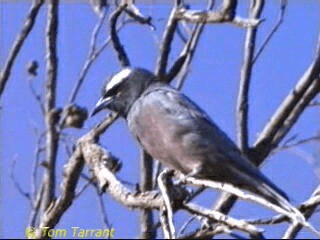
x,y
118,78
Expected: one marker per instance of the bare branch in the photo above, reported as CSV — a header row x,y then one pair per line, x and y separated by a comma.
x,y
165,48
312,203
256,8
22,36
16,183
165,223
36,207
236,191
293,213
194,16
72,173
103,211
146,184
36,164
52,136
181,65
295,228
207,233
281,122
185,225
297,143
287,114
232,223
92,56
283,7
118,47
164,183
36,95
135,14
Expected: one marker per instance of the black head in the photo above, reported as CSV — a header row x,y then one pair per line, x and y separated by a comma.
x,y
123,89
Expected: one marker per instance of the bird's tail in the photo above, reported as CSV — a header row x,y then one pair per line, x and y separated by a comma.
x,y
278,198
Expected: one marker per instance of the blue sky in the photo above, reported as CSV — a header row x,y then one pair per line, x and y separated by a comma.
x,y
212,83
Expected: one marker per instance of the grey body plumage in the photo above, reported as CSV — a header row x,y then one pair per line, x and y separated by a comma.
x,y
175,131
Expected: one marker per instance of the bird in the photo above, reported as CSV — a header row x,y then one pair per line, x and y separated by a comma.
x,y
177,132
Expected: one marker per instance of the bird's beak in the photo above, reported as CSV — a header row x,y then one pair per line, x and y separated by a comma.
x,y
101,104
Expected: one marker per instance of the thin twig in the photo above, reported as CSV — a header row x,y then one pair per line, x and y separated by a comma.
x,y
103,211
20,39
89,181
185,225
15,182
118,47
283,7
297,143
93,54
36,95
36,164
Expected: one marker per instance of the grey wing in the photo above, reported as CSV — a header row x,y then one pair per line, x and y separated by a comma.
x,y
174,130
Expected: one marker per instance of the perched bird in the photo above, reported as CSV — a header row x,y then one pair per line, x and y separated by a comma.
x,y
175,131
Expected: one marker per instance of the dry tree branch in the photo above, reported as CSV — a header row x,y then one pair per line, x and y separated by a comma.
x,y
181,65
118,47
93,54
298,99
195,16
295,228
297,143
230,222
294,215
165,223
256,8
72,172
132,11
239,193
36,202
36,95
52,136
207,233
167,40
16,183
35,167
57,208
185,225
311,204
103,165
146,184
164,184
283,7
22,36
103,211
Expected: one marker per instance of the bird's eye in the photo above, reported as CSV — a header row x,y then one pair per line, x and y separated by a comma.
x,y
113,91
